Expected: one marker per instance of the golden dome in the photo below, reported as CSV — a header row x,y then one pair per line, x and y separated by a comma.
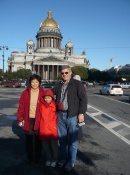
x,y
69,44
49,22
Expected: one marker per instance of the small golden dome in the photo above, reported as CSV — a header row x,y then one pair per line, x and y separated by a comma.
x,y
69,44
49,22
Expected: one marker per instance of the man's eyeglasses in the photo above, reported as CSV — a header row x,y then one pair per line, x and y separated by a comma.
x,y
62,73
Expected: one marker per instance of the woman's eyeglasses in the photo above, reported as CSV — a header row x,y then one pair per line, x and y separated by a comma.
x,y
62,73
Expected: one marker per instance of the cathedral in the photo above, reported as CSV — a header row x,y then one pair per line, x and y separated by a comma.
x,y
48,56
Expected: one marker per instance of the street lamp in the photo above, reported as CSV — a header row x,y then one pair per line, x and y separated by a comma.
x,y
2,48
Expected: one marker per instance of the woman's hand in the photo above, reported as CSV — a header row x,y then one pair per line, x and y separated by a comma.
x,y
21,123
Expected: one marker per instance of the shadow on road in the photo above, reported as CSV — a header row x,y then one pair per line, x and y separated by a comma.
x,y
13,157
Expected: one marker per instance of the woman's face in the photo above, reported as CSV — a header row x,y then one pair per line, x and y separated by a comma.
x,y
35,84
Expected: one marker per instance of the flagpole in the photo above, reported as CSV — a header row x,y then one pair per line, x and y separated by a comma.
x,y
111,62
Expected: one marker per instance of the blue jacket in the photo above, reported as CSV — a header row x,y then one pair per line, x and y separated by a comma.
x,y
76,97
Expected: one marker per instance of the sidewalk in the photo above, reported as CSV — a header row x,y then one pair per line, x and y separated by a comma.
x,y
13,158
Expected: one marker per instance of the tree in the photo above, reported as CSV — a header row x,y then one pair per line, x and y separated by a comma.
x,y
1,75
94,75
97,75
20,74
23,73
80,70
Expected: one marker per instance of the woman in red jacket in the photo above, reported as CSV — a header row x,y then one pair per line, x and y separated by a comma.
x,y
48,128
28,117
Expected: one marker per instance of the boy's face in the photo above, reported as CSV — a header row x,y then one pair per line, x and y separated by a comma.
x,y
48,99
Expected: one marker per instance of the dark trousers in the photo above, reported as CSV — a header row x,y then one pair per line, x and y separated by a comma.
x,y
33,144
51,149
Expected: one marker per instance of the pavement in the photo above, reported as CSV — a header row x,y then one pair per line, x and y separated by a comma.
x,y
13,157
99,154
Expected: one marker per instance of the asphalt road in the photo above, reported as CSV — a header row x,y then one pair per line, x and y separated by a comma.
x,y
101,153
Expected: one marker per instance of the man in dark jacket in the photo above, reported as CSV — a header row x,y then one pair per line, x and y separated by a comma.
x,y
71,103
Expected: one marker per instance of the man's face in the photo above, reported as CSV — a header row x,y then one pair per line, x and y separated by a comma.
x,y
66,74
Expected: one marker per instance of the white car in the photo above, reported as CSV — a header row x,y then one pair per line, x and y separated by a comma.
x,y
23,83
125,85
89,83
111,89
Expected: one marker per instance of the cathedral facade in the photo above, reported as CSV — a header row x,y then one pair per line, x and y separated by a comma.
x,y
48,56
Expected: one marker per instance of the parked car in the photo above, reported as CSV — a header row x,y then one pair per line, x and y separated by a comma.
x,y
125,85
111,89
47,85
11,83
23,83
1,83
89,83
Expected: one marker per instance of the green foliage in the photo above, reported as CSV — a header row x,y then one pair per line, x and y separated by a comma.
x,y
97,75
20,74
85,74
1,75
23,73
119,76
80,70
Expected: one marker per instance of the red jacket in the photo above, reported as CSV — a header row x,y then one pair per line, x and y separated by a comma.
x,y
48,122
23,109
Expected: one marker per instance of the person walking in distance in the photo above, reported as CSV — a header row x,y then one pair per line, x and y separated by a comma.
x,y
28,117
71,104
48,131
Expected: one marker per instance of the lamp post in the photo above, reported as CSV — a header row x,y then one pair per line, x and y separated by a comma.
x,y
2,48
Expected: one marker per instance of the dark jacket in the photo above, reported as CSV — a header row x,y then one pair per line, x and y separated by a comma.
x,y
23,109
76,97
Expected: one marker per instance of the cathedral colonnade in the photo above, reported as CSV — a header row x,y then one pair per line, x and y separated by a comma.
x,y
48,42
47,72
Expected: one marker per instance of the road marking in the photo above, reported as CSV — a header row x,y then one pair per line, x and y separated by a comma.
x,y
114,99
124,132
117,127
113,124
96,113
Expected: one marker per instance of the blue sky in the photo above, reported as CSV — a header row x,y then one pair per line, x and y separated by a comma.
x,y
100,27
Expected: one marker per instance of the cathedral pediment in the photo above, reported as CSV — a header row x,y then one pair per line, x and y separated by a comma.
x,y
51,59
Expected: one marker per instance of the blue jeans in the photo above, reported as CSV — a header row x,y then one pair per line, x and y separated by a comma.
x,y
68,137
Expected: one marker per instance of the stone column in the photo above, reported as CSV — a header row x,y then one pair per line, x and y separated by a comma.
x,y
38,69
43,74
44,42
48,42
37,43
53,72
51,42
57,71
32,67
48,72
59,44
41,42
54,43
